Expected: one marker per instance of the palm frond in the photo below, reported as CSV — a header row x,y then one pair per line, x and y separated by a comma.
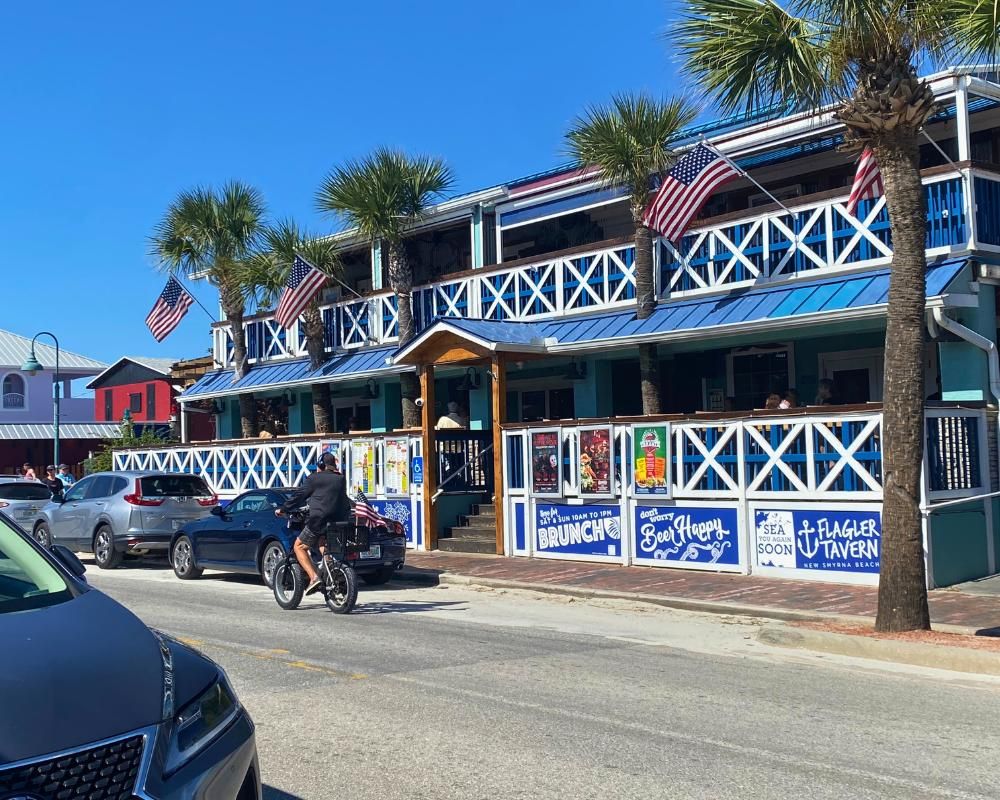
x,y
754,53
629,139
385,191
266,271
975,30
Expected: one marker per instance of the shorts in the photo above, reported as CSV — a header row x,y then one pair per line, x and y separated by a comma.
x,y
308,537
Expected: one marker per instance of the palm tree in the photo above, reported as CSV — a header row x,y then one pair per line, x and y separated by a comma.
x,y
271,267
628,141
861,56
212,234
382,195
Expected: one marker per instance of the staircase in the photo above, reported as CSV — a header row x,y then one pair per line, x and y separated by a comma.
x,y
475,533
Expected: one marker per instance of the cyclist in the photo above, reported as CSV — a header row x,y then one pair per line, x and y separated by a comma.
x,y
326,492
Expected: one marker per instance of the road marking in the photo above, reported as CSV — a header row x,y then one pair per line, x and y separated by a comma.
x,y
758,753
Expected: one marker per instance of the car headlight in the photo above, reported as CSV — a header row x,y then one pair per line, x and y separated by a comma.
x,y
197,725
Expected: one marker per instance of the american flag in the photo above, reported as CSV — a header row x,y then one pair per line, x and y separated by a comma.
x,y
363,511
867,181
170,308
685,190
304,281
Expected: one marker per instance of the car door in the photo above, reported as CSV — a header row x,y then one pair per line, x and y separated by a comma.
x,y
94,504
234,541
67,517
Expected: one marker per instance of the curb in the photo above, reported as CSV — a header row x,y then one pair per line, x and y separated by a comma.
x,y
666,601
937,656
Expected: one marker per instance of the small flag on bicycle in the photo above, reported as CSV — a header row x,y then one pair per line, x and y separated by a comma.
x,y
364,513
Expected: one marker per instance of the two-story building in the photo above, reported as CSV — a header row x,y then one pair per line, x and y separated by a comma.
x,y
525,308
26,406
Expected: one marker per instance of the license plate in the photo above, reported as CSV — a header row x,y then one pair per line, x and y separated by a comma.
x,y
375,551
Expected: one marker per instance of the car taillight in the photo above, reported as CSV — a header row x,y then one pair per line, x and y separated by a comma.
x,y
352,556
136,498
4,504
208,501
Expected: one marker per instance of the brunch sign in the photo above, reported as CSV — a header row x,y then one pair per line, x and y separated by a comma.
x,y
650,453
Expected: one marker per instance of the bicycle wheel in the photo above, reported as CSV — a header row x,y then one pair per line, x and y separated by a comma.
x,y
341,591
289,584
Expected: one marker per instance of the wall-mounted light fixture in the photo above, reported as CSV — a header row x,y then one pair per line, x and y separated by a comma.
x,y
469,382
371,389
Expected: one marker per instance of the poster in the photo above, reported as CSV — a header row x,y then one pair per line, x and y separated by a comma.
x,y
546,462
828,540
398,510
331,446
362,466
687,535
578,530
595,464
650,453
397,467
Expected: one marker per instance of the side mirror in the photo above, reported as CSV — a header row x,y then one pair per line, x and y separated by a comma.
x,y
218,511
68,559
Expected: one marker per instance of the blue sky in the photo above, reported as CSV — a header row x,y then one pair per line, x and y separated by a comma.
x,y
109,109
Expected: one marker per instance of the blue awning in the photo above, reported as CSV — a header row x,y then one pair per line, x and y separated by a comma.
x,y
348,366
802,302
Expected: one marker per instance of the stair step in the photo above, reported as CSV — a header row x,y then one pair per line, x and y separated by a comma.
x,y
471,533
485,509
478,520
467,545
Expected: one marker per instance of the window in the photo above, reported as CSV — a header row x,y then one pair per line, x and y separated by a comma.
x,y
13,391
27,580
135,402
250,504
78,490
542,404
150,401
24,490
755,373
174,486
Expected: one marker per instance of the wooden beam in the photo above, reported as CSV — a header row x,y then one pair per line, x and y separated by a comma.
x,y
429,436
499,384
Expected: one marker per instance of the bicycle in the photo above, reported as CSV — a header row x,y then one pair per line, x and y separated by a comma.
x,y
340,583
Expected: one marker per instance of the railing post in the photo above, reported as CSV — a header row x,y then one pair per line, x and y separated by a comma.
x,y
430,456
499,384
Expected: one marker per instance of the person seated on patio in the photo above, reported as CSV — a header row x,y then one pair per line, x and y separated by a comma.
x,y
790,400
452,420
825,393
773,400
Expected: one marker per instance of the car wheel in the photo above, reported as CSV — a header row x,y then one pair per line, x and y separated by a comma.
x,y
182,559
42,535
378,576
274,554
105,555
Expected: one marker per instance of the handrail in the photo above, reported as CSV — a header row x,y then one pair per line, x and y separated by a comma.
x,y
458,472
957,502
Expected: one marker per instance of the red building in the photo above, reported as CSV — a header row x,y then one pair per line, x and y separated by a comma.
x,y
141,386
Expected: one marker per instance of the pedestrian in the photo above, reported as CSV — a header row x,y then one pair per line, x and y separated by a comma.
x,y
773,400
790,400
66,476
825,393
452,420
28,472
51,480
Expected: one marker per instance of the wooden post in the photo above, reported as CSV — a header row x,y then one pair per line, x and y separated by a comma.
x,y
499,416
430,456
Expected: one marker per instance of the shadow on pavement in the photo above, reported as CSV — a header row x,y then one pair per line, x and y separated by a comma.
x,y
270,793
376,607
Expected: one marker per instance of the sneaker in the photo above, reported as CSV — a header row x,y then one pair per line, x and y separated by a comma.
x,y
315,586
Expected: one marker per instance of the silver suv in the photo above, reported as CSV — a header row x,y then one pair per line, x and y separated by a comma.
x,y
110,514
21,500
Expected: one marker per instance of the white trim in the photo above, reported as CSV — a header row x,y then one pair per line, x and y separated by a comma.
x,y
827,360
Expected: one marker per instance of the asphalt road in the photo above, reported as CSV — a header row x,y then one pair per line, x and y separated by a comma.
x,y
450,692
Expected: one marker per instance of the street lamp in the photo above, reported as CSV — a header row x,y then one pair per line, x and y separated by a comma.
x,y
33,366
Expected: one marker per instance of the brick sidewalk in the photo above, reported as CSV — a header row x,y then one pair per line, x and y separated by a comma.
x,y
947,607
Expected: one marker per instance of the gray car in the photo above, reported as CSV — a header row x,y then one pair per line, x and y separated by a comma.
x,y
110,514
21,500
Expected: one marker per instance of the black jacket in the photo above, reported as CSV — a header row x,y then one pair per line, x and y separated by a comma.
x,y
326,493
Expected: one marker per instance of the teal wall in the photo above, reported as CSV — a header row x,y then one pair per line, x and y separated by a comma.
x,y
592,396
958,544
964,367
229,419
481,404
300,416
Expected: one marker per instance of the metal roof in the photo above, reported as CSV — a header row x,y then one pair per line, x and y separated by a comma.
x,y
856,292
16,431
14,350
355,364
161,365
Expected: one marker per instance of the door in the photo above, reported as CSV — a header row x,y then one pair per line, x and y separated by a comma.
x,y
109,406
67,518
94,504
856,375
234,540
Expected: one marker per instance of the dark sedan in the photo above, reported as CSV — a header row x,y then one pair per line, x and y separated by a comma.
x,y
96,705
246,537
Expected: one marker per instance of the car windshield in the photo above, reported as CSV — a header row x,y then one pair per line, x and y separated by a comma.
x,y
27,580
174,486
24,491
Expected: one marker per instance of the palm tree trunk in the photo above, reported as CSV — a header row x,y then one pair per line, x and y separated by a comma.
x,y
902,594
232,304
401,279
645,291
315,345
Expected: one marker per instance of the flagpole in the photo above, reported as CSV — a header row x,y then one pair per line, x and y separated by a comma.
x,y
744,173
191,294
937,147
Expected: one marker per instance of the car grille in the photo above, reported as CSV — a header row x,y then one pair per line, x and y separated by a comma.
x,y
105,772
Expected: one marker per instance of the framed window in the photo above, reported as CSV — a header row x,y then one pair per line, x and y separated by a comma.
x,y
13,391
537,405
150,401
756,372
135,402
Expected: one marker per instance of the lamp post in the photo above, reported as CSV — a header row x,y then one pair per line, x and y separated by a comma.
x,y
32,366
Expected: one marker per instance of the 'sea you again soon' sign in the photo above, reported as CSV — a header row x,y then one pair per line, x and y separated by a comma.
x,y
848,540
